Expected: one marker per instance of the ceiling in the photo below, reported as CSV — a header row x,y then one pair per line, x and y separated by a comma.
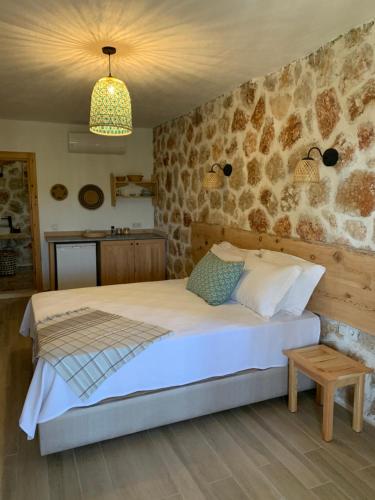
x,y
173,54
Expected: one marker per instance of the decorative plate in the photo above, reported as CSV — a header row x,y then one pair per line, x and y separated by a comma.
x,y
91,197
59,192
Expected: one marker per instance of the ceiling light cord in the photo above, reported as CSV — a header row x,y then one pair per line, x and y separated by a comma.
x,y
109,51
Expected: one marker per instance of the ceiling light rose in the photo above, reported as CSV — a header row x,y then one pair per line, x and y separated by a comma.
x,y
307,169
215,180
110,111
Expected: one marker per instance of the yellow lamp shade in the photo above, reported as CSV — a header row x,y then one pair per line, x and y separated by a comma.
x,y
212,180
307,171
111,111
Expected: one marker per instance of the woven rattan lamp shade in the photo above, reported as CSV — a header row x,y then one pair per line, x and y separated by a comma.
x,y
307,170
213,180
111,111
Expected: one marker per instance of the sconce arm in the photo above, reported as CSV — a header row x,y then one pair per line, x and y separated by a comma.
x,y
227,169
330,156
311,149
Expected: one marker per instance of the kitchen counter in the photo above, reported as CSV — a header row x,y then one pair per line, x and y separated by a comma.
x,y
76,261
76,236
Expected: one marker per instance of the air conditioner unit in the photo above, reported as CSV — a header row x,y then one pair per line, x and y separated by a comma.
x,y
86,142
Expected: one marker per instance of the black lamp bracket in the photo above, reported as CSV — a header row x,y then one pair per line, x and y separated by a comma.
x,y
330,156
227,169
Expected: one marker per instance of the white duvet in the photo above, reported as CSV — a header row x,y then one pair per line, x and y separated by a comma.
x,y
206,342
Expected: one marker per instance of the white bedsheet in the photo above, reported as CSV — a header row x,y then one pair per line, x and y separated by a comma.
x,y
206,342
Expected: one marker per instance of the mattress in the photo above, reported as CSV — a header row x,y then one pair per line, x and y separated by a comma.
x,y
206,342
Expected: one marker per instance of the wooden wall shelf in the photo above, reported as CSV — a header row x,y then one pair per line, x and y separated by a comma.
x,y
116,184
15,236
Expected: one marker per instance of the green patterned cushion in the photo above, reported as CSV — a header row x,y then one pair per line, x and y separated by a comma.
x,y
214,280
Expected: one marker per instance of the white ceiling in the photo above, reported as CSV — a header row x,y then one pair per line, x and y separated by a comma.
x,y
173,54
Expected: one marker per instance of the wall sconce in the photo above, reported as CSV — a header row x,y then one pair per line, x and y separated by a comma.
x,y
307,169
214,180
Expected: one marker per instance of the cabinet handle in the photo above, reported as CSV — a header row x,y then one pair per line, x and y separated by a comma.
x,y
131,244
137,243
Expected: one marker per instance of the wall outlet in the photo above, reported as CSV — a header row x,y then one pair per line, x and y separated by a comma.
x,y
54,227
136,225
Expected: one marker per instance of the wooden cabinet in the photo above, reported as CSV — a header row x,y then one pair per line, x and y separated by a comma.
x,y
149,262
132,261
116,262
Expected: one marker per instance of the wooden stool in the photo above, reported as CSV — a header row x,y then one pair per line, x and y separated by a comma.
x,y
329,369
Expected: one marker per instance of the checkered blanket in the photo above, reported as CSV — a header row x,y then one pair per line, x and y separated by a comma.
x,y
87,346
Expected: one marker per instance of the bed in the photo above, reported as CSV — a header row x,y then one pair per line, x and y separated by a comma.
x,y
207,342
216,358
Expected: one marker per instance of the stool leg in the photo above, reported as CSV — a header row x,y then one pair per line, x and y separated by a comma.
x,y
292,399
319,394
358,404
328,402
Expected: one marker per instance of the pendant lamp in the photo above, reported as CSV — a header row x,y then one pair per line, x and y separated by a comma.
x,y
110,111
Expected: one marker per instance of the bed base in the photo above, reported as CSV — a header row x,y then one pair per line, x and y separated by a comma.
x,y
81,426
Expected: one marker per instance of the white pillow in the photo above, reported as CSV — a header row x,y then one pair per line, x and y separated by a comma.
x,y
230,253
263,286
298,296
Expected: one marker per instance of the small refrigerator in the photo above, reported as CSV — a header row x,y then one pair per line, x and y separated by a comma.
x,y
76,265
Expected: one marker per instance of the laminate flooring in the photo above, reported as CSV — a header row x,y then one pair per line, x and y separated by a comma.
x,y
255,452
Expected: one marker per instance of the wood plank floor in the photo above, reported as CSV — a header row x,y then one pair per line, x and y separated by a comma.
x,y
257,452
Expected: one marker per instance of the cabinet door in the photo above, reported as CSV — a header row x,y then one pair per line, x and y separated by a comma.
x,y
149,260
116,262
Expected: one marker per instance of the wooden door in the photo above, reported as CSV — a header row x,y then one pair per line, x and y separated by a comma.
x,y
7,157
149,260
116,262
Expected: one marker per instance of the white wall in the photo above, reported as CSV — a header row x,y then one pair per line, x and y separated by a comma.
x,y
56,165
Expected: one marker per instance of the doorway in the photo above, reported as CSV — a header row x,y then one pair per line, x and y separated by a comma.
x,y
20,260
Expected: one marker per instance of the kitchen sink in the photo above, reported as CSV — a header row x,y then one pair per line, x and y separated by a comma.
x,y
94,234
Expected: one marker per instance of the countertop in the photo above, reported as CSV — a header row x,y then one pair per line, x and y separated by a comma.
x,y
78,238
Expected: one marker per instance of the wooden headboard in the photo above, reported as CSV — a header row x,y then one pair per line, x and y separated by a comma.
x,y
345,293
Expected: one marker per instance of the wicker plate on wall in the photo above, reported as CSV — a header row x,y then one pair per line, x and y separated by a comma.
x,y
91,197
59,192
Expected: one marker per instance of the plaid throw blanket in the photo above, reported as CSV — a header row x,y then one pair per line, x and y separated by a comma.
x,y
87,346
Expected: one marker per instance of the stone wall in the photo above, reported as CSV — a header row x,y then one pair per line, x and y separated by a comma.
x,y
262,128
14,201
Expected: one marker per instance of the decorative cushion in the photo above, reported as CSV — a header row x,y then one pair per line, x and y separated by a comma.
x,y
214,280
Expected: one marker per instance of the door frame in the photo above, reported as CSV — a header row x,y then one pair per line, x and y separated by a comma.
x,y
29,159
